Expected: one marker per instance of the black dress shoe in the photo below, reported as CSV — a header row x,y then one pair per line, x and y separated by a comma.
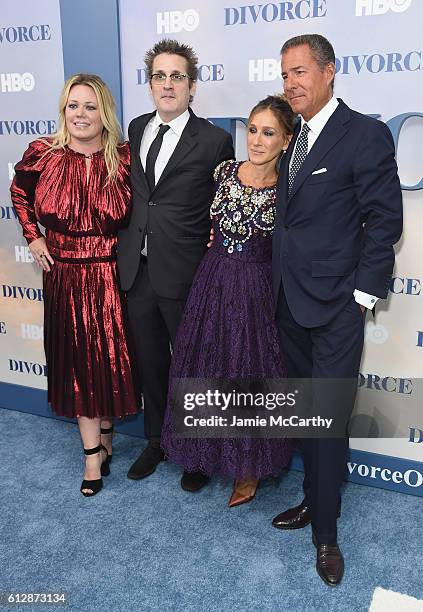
x,y
329,563
193,481
294,518
147,462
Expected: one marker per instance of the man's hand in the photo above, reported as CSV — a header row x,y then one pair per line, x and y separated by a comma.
x,y
363,308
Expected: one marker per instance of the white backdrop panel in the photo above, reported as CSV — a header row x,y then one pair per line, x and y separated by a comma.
x,y
31,77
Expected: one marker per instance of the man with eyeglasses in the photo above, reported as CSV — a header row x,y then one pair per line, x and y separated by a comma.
x,y
173,156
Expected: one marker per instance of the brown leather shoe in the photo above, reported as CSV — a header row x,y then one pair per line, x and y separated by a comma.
x,y
294,518
329,562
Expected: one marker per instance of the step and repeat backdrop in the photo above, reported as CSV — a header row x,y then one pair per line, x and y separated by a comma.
x,y
379,65
31,77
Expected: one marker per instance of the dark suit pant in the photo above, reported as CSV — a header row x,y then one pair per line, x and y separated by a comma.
x,y
329,351
154,322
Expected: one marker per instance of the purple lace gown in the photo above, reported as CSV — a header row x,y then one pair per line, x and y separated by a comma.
x,y
228,328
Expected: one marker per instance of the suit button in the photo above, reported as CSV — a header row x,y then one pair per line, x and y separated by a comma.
x,y
151,204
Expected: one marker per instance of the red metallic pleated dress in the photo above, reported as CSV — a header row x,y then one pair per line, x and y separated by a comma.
x,y
85,322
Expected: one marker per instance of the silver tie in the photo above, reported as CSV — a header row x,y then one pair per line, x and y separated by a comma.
x,y
301,151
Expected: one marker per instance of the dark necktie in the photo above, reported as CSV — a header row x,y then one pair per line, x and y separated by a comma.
x,y
152,154
301,151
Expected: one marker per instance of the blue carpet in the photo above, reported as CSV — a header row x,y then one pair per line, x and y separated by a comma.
x,y
148,545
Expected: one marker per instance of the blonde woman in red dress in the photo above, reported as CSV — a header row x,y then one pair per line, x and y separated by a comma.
x,y
76,185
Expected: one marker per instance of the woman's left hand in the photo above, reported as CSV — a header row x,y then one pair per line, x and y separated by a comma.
x,y
40,253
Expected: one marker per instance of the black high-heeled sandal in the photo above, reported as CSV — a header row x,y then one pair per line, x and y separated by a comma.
x,y
104,431
95,485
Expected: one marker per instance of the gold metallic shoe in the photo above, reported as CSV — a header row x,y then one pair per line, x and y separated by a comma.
x,y
243,491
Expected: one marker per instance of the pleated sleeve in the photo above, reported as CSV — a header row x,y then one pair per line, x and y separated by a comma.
x,y
23,188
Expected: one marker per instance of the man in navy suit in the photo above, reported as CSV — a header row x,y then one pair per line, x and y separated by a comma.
x,y
339,213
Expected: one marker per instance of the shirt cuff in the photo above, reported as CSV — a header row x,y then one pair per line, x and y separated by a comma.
x,y
365,299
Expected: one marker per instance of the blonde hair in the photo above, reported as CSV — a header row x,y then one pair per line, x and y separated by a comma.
x,y
111,136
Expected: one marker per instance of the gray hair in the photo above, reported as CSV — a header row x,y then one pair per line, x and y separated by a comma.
x,y
321,49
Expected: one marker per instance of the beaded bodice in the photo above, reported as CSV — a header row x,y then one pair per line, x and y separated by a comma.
x,y
243,216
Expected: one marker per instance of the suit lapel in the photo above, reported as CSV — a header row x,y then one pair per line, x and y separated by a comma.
x,y
186,143
334,130
137,146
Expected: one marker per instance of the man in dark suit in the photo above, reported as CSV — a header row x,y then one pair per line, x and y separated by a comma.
x,y
339,213
173,156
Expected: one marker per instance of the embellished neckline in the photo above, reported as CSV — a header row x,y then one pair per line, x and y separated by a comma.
x,y
79,154
249,187
241,210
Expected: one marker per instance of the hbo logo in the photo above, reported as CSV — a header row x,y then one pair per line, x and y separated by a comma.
x,y
379,7
377,334
264,70
23,254
14,82
32,332
176,21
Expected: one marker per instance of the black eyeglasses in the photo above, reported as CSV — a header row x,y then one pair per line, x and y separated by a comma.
x,y
175,77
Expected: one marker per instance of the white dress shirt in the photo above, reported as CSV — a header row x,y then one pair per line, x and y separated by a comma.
x,y
316,125
170,140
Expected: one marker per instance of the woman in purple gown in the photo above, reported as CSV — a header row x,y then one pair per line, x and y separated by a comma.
x,y
228,330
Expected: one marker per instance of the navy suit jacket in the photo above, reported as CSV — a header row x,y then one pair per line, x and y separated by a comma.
x,y
336,231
